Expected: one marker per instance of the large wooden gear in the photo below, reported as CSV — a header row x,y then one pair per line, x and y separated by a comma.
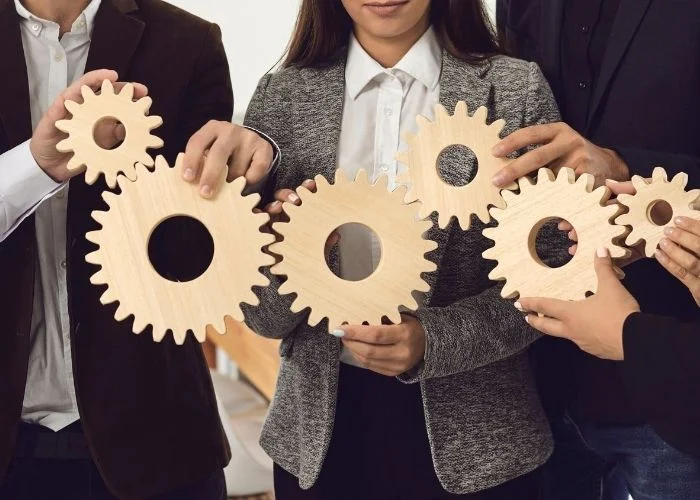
x,y
423,156
649,193
110,162
166,305
400,269
552,197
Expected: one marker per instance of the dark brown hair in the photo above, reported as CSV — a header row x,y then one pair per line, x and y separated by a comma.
x,y
323,29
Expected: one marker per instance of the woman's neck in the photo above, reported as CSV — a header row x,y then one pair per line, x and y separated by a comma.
x,y
389,51
62,12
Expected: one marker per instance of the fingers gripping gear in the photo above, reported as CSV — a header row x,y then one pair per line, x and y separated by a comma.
x,y
166,305
399,271
81,127
422,159
640,206
519,223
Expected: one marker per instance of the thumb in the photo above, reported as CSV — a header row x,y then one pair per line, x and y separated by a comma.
x,y
620,187
604,269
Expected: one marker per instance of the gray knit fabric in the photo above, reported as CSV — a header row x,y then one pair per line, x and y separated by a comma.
x,y
483,415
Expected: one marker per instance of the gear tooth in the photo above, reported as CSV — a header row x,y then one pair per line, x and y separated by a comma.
x,y
659,175
146,160
127,92
483,214
87,93
525,183
144,104
284,288
315,318
638,182
321,182
107,87
498,127
121,314
362,177
153,121
93,237
93,258
99,216
160,333
75,163
91,177
566,176
382,182
340,176
394,316
481,114
63,126
464,221
587,181
238,185
155,142
443,220
403,158
623,220
624,199
461,109
72,107
633,239
400,192
422,122
66,145
545,175
441,113
98,278
510,197
680,180
509,291
649,249
108,296
162,164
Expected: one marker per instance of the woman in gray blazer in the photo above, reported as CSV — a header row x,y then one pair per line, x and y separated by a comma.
x,y
444,406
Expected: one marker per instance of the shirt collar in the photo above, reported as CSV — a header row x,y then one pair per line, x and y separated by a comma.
x,y
422,62
88,15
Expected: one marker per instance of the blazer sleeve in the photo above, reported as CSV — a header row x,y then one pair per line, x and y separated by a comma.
x,y
642,162
662,374
481,329
272,317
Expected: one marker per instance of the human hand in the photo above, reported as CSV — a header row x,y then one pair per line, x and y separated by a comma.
x,y
594,324
276,210
559,146
680,253
386,349
46,136
225,150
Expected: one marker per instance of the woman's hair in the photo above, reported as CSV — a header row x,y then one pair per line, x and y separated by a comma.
x,y
323,29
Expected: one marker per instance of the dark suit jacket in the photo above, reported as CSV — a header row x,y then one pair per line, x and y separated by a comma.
x,y
662,366
645,106
148,410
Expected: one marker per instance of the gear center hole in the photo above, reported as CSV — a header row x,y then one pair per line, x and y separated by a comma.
x,y
109,133
660,213
359,251
457,165
180,249
559,245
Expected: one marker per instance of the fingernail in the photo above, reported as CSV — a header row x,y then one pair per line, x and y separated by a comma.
x,y
665,243
660,256
307,182
669,231
293,198
518,306
499,179
189,174
206,191
498,150
275,204
681,221
602,252
527,318
613,181
338,333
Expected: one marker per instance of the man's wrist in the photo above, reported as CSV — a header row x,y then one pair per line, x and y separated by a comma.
x,y
621,171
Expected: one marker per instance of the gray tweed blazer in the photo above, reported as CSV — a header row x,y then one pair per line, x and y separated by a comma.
x,y
483,415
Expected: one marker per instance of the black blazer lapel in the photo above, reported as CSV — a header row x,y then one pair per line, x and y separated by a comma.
x,y
115,36
629,16
552,14
15,112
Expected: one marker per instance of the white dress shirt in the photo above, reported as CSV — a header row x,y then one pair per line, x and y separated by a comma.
x,y
380,105
53,63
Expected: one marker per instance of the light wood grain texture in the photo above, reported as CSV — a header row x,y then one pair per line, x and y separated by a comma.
x,y
88,155
127,226
518,224
256,357
398,273
648,194
423,156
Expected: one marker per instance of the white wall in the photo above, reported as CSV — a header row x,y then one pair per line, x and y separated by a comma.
x,y
255,34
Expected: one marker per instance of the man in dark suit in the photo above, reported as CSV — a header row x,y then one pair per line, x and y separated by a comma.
x,y
626,76
87,409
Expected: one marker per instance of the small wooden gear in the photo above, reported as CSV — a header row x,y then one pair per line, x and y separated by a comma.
x,y
400,268
166,305
423,156
650,193
86,116
518,225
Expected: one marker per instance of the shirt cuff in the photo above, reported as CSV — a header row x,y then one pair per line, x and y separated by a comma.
x,y
23,187
258,187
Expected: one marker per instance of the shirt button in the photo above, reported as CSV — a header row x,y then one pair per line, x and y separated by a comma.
x,y
64,264
384,168
60,195
585,29
81,23
36,27
582,85
388,112
58,56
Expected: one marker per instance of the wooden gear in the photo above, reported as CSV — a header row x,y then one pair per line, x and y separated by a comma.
x,y
552,197
110,162
422,159
399,271
166,305
648,194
